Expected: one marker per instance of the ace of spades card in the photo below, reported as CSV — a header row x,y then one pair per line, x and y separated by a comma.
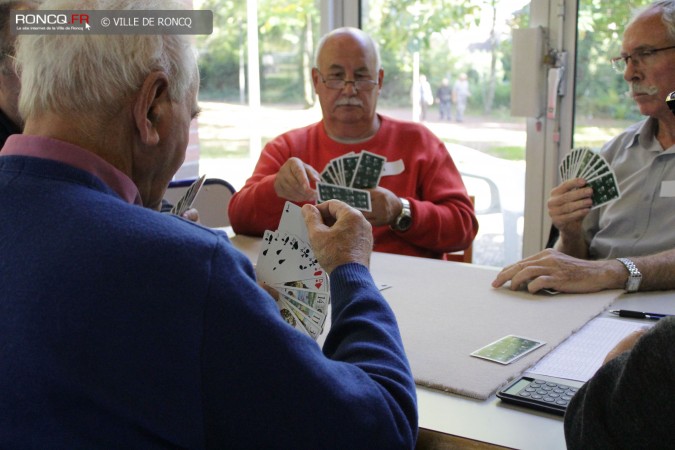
x,y
591,166
286,263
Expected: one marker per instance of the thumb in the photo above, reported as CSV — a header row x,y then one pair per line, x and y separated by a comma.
x,y
312,216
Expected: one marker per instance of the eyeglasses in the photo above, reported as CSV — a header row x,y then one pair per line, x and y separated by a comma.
x,y
638,57
340,83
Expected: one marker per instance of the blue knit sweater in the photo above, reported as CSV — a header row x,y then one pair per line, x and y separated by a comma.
x,y
121,327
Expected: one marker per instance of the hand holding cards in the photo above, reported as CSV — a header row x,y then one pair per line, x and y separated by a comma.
x,y
286,263
592,167
346,178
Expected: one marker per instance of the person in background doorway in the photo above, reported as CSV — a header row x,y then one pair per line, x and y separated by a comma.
x,y
460,96
444,99
426,97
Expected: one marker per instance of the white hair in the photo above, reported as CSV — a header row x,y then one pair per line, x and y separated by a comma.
x,y
365,38
89,74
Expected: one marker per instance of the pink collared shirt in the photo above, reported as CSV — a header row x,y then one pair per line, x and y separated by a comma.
x,y
48,148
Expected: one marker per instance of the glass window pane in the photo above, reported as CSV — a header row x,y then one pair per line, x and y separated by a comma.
x,y
602,105
442,41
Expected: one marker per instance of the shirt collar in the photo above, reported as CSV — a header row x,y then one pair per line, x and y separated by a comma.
x,y
646,136
64,152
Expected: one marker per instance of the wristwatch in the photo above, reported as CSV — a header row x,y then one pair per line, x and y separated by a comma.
x,y
634,275
404,220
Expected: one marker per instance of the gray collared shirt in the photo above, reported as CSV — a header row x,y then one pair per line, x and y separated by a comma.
x,y
642,220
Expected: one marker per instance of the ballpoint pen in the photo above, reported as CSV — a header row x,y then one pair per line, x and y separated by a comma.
x,y
638,314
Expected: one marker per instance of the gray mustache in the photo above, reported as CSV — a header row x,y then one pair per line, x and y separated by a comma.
x,y
635,88
349,101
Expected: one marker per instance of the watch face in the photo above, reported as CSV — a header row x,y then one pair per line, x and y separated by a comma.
x,y
404,223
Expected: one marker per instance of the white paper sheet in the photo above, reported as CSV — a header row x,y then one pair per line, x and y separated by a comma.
x,y
580,356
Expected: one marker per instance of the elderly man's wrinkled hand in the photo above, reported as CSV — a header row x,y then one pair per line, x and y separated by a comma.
x,y
338,234
294,181
551,269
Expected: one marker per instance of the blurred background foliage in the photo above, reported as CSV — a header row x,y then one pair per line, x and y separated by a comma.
x,y
289,30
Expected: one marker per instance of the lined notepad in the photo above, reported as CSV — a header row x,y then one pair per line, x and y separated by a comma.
x,y
580,356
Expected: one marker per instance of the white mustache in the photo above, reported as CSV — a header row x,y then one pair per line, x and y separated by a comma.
x,y
636,88
348,101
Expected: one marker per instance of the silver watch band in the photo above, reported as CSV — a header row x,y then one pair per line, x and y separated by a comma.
x,y
634,275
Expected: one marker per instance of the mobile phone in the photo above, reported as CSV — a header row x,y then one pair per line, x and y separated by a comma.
x,y
542,395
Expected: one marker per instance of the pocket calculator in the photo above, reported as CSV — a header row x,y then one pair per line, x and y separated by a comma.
x,y
542,395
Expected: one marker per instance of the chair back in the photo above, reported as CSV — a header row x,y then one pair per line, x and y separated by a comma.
x,y
465,256
211,202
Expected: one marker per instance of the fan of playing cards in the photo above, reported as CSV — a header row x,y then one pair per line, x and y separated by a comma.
x,y
346,177
188,198
286,263
592,167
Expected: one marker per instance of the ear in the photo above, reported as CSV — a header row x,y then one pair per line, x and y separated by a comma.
x,y
152,98
315,77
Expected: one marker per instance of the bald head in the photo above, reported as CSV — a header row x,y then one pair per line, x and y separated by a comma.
x,y
349,33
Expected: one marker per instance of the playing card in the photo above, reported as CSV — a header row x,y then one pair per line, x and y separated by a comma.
x,y
188,198
290,318
349,163
508,349
286,263
314,299
326,177
292,221
271,258
368,170
594,168
357,198
312,314
605,189
312,328
318,283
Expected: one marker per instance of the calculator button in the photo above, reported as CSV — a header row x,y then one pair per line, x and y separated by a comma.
x,y
549,384
548,399
558,390
561,402
524,394
537,396
566,397
553,394
530,389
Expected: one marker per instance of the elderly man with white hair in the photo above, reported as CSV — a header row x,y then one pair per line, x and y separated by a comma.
x,y
122,327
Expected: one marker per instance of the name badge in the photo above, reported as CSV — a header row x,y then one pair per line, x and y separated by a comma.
x,y
393,168
668,188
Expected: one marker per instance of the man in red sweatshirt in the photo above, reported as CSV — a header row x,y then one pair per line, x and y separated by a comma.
x,y
422,209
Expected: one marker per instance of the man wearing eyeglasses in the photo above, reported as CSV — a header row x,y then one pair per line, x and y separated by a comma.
x,y
629,243
422,209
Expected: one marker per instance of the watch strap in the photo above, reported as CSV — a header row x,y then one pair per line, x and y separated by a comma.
x,y
404,220
634,275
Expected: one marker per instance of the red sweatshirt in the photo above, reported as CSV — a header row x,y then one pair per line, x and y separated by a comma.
x,y
443,218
